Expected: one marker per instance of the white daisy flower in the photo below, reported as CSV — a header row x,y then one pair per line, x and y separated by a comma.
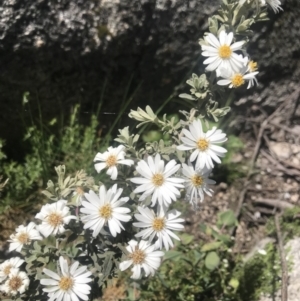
x,y
105,209
275,4
237,79
221,53
8,265
204,144
142,255
54,217
160,225
156,180
111,159
70,285
196,184
17,282
23,236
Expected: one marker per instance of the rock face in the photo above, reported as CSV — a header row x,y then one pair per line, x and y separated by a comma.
x,y
66,52
277,49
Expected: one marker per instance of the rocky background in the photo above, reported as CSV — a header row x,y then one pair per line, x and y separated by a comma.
x,y
64,52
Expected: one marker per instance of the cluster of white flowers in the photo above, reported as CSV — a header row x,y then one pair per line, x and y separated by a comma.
x,y
150,184
155,184
234,69
159,184
72,283
12,280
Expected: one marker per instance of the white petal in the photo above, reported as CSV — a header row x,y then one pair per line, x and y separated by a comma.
x,y
211,39
237,45
51,274
222,37
125,265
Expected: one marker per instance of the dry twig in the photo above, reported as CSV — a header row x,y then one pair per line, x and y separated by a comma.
x,y
279,166
284,280
285,128
274,203
263,126
277,160
2,184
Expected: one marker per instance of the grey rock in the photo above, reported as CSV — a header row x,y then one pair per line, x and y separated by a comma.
x,y
63,52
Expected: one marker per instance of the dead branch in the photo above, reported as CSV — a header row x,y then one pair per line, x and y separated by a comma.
x,y
279,166
274,203
241,199
265,210
2,185
285,128
276,124
254,156
260,245
284,280
276,158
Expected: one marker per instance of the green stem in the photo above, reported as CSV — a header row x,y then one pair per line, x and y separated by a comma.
x,y
122,111
101,97
230,98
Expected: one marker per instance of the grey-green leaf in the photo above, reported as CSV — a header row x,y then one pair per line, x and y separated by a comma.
x,y
187,96
212,260
211,246
227,218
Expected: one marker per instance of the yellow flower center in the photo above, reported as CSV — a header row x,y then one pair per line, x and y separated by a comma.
x,y
111,161
15,283
6,270
138,256
237,80
23,238
225,52
65,283
54,219
105,211
158,179
158,224
252,66
202,144
197,180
